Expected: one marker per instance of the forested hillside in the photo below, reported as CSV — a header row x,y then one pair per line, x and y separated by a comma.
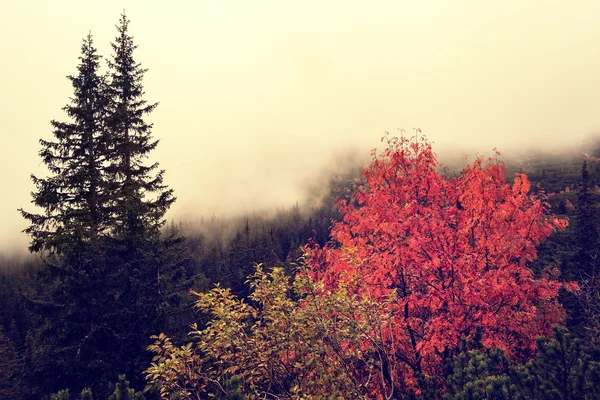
x,y
407,279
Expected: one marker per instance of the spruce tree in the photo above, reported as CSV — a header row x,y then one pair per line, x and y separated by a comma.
x,y
74,198
68,345
146,269
135,214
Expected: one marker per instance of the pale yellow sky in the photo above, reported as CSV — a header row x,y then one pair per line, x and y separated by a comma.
x,y
256,96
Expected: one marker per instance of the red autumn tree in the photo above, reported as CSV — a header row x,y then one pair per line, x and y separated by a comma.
x,y
454,247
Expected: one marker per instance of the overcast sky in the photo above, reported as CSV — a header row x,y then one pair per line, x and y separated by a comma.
x,y
256,97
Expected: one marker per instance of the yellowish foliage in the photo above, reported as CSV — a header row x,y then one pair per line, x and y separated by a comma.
x,y
291,340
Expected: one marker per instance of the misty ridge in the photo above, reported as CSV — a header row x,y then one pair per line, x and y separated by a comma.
x,y
322,189
345,170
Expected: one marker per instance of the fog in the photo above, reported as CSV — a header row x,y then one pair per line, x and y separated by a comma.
x,y
260,100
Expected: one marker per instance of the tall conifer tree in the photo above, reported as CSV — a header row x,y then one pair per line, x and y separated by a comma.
x,y
136,215
67,347
144,267
74,198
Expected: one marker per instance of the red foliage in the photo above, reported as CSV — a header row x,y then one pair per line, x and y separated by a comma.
x,y
454,247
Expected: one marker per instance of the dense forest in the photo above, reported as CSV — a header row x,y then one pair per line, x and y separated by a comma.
x,y
408,279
